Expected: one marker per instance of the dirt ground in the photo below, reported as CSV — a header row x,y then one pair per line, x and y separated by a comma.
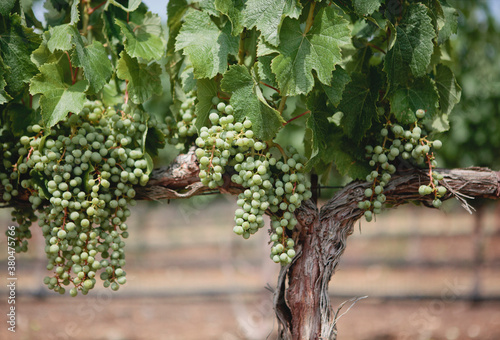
x,y
220,319
191,278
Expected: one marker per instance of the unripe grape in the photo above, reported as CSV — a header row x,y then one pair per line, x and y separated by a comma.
x,y
420,113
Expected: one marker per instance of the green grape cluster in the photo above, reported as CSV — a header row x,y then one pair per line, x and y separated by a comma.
x,y
271,185
409,144
182,129
9,177
81,175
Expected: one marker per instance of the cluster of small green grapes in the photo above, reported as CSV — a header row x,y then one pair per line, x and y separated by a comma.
x,y
86,167
20,214
411,144
271,184
181,129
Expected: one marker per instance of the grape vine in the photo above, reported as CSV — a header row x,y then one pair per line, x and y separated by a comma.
x,y
265,103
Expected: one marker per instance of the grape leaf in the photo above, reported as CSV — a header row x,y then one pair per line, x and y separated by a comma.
x,y
339,80
366,7
450,23
348,158
4,96
268,15
58,98
248,101
175,11
16,44
413,46
208,6
94,60
187,80
265,72
206,45
143,40
21,117
75,13
207,89
448,88
233,10
132,5
439,123
318,121
61,38
143,80
6,6
318,49
153,141
42,55
359,104
421,94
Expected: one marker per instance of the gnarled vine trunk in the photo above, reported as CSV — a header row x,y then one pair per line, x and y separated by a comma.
x,y
303,309
301,300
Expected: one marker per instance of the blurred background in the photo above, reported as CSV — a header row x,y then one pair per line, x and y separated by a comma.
x,y
427,274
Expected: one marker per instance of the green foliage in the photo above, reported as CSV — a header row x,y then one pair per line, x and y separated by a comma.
x,y
474,63
302,52
207,45
413,47
333,74
248,101
143,80
58,97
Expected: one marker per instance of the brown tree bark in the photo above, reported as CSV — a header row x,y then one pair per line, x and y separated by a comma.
x,y
303,309
301,299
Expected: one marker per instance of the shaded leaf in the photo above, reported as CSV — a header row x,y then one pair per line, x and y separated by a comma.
x,y
421,94
318,121
366,7
448,88
248,101
143,80
207,89
16,44
6,6
450,23
233,10
339,80
359,104
413,47
4,96
175,12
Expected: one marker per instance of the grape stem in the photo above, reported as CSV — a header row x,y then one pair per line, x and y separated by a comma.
x,y
281,108
280,149
297,117
376,47
271,87
241,49
125,99
310,18
93,9
73,75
